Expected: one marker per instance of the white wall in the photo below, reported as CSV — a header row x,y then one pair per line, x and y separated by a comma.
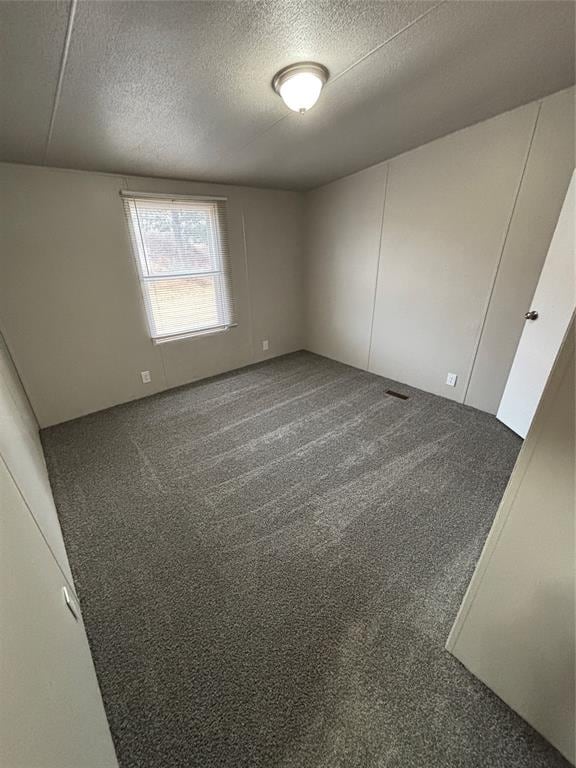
x,y
532,225
447,208
70,300
425,264
344,222
52,713
416,267
22,453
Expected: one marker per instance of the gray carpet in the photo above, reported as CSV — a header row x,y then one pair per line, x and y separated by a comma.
x,y
269,563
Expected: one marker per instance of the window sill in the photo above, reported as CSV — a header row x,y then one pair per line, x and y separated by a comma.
x,y
194,334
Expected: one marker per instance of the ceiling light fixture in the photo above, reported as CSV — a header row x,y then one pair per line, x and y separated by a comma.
x,y
299,85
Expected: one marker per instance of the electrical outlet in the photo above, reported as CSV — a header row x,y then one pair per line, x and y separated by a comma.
x,y
265,345
146,378
451,379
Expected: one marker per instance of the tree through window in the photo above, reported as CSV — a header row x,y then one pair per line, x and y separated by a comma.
x,y
181,249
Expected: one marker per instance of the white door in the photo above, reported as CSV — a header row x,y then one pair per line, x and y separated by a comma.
x,y
515,629
546,323
51,712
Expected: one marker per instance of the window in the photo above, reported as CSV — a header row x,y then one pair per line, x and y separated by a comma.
x,y
181,249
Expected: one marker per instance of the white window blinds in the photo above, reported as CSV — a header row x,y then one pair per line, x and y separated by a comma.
x,y
181,249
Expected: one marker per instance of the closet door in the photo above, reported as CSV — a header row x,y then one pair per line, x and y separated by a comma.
x,y
51,711
516,626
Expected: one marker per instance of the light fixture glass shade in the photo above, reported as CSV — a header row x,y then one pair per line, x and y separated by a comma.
x,y
301,91
300,84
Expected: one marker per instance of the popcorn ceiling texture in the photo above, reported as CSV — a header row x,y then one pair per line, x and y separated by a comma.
x,y
183,89
269,563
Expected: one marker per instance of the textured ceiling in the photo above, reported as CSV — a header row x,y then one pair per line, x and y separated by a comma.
x,y
182,89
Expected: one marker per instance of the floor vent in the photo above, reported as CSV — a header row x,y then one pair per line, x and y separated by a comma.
x,y
396,394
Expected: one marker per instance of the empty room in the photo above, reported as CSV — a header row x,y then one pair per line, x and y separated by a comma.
x,y
287,383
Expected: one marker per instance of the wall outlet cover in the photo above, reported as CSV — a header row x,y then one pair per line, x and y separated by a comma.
x,y
146,378
265,345
451,379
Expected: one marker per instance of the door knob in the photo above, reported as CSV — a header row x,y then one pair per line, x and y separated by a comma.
x,y
532,315
70,604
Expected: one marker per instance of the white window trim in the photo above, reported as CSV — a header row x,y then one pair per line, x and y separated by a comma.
x,y
212,331
140,258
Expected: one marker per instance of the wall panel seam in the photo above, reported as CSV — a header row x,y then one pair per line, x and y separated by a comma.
x,y
501,255
248,286
375,294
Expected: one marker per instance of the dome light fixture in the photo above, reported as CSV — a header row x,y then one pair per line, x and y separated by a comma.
x,y
300,84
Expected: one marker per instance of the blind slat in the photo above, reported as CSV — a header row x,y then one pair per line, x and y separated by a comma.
x,y
181,251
